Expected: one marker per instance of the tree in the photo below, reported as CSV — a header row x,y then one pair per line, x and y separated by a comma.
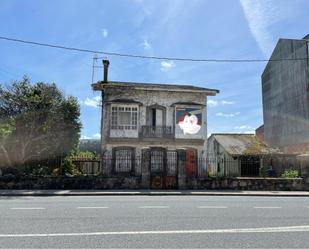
x,y
37,122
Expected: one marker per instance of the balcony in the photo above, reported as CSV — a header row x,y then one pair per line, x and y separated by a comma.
x,y
157,131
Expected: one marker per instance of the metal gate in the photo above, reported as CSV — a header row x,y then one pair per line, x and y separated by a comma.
x,y
191,162
163,169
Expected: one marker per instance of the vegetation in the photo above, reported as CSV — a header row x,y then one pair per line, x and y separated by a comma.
x,y
290,173
37,121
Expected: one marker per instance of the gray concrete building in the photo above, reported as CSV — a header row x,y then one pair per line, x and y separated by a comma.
x,y
285,89
156,131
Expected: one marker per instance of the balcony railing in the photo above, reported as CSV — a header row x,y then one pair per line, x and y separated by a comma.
x,y
157,131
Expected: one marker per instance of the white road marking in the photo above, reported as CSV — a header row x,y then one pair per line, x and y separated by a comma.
x,y
266,207
215,207
304,228
92,207
28,208
154,207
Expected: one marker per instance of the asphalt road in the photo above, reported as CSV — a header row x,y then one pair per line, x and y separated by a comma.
x,y
154,222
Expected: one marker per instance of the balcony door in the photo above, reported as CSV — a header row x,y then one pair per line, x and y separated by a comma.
x,y
156,117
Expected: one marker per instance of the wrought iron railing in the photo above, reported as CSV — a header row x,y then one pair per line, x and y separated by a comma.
x,y
157,131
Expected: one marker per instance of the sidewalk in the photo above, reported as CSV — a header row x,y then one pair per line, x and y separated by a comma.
x,y
152,193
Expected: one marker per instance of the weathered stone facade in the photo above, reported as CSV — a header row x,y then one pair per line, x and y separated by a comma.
x,y
146,128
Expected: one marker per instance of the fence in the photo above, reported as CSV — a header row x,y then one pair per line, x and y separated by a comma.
x,y
253,166
169,164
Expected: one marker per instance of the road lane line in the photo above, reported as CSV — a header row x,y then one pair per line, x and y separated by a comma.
x,y
289,229
154,207
214,207
29,208
92,207
266,207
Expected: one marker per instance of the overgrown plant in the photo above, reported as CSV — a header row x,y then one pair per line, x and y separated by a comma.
x,y
290,173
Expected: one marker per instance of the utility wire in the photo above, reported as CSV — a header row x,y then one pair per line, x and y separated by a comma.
x,y
144,56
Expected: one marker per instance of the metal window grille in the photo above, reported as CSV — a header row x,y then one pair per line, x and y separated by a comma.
x,y
171,163
157,161
123,161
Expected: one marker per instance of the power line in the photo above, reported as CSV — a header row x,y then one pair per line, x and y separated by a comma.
x,y
144,56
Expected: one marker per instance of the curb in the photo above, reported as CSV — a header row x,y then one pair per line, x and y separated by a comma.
x,y
152,193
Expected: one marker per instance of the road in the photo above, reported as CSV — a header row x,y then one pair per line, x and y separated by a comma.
x,y
154,222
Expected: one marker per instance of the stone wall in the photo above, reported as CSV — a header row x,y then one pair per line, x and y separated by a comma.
x,y
304,164
64,182
243,183
98,182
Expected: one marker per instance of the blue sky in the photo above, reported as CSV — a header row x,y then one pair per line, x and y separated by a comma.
x,y
221,29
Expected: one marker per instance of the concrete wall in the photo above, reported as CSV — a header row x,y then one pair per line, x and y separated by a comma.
x,y
285,86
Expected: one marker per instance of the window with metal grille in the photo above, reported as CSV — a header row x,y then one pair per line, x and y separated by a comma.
x,y
124,118
171,163
123,160
157,161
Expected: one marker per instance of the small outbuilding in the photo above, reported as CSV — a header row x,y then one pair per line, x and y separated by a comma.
x,y
234,155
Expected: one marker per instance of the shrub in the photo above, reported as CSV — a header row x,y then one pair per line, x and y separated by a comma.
x,y
67,166
290,173
40,171
85,154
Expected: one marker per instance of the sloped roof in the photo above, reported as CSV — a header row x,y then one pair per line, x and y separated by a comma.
x,y
243,144
100,85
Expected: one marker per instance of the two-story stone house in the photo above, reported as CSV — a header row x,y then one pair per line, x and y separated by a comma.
x,y
155,131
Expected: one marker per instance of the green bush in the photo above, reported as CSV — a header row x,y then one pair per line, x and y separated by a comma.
x,y
85,154
67,166
290,173
41,171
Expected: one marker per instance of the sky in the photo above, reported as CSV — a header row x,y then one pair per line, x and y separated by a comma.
x,y
221,29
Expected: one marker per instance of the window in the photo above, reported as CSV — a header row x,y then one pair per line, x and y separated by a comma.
x,y
124,118
123,160
157,161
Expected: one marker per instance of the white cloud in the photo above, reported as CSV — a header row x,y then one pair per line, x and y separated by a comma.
x,y
260,16
213,103
146,44
227,115
167,66
94,136
243,127
104,33
93,102
246,132
224,102
84,137
97,136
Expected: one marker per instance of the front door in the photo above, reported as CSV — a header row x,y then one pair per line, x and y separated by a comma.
x,y
163,169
